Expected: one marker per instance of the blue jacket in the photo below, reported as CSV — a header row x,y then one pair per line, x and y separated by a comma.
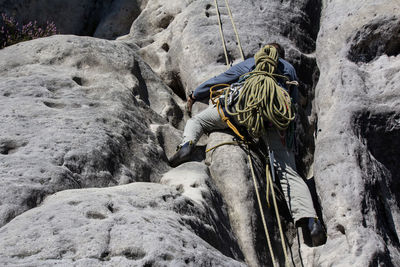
x,y
232,75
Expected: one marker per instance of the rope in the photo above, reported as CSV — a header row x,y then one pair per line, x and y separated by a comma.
x,y
235,30
261,100
222,34
269,186
223,144
214,96
261,208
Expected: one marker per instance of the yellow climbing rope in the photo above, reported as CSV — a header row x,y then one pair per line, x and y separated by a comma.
x,y
261,99
222,34
269,186
235,30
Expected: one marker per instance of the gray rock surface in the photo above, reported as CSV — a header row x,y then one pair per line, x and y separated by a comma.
x,y
181,40
84,112
229,169
357,101
139,224
181,43
76,113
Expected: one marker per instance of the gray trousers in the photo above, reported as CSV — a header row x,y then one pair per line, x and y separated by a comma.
x,y
294,188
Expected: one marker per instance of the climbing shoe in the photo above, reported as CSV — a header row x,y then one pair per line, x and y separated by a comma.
x,y
182,155
317,232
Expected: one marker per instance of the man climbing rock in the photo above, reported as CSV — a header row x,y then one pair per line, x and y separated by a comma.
x,y
280,73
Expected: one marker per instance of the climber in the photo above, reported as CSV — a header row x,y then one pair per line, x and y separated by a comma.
x,y
295,190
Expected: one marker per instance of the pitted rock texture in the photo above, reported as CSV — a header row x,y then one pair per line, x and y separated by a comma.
x,y
181,40
83,112
141,224
357,101
76,113
230,168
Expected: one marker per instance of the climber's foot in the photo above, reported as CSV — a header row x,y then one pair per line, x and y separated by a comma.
x,y
182,155
317,232
314,233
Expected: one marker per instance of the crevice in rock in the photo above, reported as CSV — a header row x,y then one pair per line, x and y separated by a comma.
x,y
177,86
379,133
105,255
77,80
381,259
94,15
380,36
54,105
313,10
9,146
9,216
95,215
166,21
35,198
165,47
110,207
341,228
149,263
134,253
142,88
212,227
308,74
302,27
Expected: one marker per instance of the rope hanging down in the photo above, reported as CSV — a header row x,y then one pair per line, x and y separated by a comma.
x,y
269,186
222,34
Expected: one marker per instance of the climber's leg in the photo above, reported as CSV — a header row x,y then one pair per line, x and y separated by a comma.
x,y
206,121
296,192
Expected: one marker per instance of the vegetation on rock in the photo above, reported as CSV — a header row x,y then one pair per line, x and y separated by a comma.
x,y
12,32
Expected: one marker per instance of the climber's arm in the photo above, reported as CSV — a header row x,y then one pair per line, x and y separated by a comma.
x,y
228,77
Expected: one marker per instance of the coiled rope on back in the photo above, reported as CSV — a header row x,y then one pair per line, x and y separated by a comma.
x,y
262,100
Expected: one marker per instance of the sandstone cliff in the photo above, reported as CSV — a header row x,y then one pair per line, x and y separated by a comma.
x,y
87,125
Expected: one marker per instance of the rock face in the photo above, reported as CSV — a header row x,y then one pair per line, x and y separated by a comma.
x,y
140,224
357,101
76,113
181,43
82,112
